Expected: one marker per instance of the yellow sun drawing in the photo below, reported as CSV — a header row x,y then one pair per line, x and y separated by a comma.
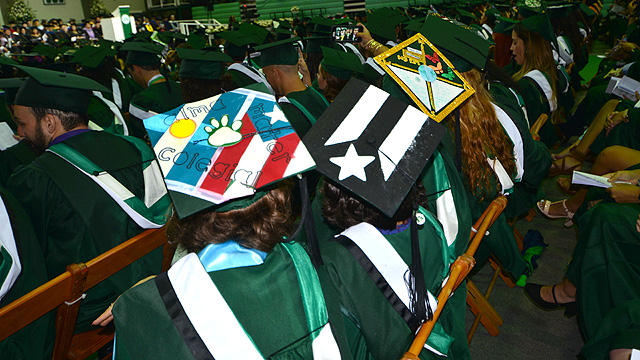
x,y
182,128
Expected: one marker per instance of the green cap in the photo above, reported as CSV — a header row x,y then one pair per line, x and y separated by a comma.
x,y
282,52
504,25
91,56
46,50
256,30
202,64
321,24
11,86
462,47
196,41
528,8
414,25
283,34
340,64
55,90
142,53
236,43
540,24
382,24
559,10
465,16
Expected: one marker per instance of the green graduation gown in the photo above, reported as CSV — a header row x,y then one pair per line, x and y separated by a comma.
x,y
19,154
537,159
155,99
35,341
619,329
75,220
604,267
268,305
537,105
303,108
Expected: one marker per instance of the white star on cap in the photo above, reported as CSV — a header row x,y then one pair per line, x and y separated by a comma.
x,y
352,164
276,115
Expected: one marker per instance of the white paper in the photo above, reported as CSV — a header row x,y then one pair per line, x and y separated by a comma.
x,y
582,178
635,354
6,136
612,84
626,88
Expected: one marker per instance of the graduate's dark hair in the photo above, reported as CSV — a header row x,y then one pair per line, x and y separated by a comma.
x,y
343,209
68,119
259,226
194,89
334,85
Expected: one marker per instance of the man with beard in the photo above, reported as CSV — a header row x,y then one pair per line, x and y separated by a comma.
x,y
89,190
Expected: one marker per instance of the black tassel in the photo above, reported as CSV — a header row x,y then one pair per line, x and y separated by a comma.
x,y
458,142
416,282
307,222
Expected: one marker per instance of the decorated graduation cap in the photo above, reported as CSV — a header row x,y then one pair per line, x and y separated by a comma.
x,y
528,8
56,90
427,75
340,64
10,87
202,64
373,144
142,53
283,52
219,151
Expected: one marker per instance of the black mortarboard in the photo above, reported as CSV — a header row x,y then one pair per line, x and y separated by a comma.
x,y
373,144
56,90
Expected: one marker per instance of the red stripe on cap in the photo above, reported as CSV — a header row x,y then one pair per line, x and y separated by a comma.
x,y
279,159
230,156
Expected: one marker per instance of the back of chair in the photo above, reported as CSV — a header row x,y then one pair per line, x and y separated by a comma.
x,y
66,292
459,270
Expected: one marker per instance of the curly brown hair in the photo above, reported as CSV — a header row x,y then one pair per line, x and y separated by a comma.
x,y
259,226
334,85
481,135
343,210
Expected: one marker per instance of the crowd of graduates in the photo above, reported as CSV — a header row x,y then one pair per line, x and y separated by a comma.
x,y
315,266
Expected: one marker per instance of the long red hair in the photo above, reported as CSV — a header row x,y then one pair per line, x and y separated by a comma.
x,y
482,136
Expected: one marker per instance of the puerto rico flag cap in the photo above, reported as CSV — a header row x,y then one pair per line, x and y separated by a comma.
x,y
373,144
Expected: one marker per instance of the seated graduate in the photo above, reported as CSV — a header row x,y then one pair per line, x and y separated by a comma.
x,y
335,70
21,153
603,273
239,247
23,270
491,150
76,213
537,77
392,255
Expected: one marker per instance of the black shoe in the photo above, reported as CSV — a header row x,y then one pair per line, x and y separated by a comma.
x,y
533,291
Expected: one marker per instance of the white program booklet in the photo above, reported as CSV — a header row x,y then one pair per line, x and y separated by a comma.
x,y
626,88
582,178
635,354
6,136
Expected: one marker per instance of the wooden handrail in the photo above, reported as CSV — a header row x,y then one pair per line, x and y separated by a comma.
x,y
459,270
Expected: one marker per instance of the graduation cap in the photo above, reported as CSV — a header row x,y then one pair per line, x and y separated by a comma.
x,y
10,87
382,24
236,42
465,16
142,53
321,24
256,30
56,90
283,34
92,56
282,52
540,24
504,25
528,8
464,48
340,64
373,144
196,41
426,75
224,148
202,64
46,50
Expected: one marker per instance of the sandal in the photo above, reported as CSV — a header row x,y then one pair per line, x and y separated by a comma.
x,y
566,186
562,169
545,205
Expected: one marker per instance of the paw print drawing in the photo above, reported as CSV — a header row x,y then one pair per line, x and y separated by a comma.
x,y
221,134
